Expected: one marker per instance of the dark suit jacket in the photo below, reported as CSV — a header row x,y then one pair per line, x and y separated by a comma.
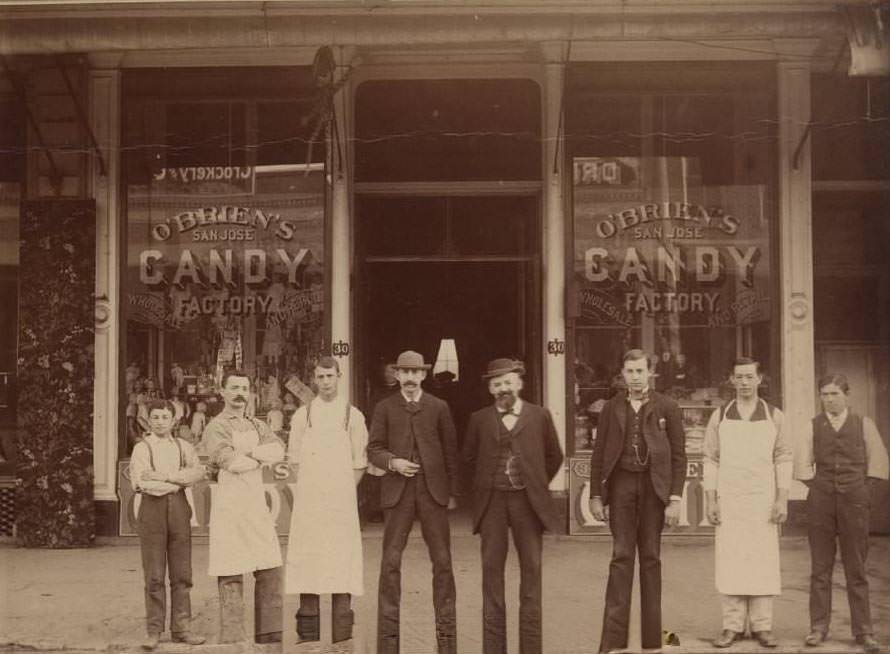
x,y
663,430
390,438
540,460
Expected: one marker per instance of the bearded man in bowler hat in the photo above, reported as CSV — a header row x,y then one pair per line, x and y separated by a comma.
x,y
413,439
513,447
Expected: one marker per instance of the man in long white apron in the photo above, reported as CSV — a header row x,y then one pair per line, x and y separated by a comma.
x,y
243,537
747,475
328,450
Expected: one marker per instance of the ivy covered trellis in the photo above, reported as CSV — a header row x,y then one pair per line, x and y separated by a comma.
x,y
54,496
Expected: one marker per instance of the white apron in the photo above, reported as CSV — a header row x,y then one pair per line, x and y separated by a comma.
x,y
242,530
324,550
747,542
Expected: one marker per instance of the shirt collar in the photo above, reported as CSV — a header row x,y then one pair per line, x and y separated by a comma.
x,y
839,419
230,414
644,396
160,439
416,399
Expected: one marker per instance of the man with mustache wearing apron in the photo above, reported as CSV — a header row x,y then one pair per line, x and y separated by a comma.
x,y
747,475
243,537
327,448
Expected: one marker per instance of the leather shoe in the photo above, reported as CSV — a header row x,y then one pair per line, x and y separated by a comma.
x,y
151,641
815,638
188,638
726,638
869,644
271,637
765,638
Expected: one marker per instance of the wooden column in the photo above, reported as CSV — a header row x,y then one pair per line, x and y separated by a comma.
x,y
796,248
554,244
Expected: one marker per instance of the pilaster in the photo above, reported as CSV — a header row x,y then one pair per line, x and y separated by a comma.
x,y
796,247
554,250
105,121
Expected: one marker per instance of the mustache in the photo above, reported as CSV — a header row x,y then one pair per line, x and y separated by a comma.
x,y
240,397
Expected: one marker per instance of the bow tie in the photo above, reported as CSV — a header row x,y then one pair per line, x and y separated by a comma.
x,y
509,412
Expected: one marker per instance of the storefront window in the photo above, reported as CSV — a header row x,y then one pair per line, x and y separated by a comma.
x,y
673,220
225,264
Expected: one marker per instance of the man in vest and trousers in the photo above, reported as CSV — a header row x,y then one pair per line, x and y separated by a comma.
x,y
413,439
840,457
637,473
243,537
747,476
513,447
327,449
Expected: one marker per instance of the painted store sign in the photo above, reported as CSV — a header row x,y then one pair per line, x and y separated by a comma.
x,y
651,239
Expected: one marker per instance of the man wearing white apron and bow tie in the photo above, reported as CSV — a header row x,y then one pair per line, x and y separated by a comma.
x,y
327,448
243,537
747,475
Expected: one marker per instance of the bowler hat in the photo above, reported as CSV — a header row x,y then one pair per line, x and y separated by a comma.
x,y
497,367
411,360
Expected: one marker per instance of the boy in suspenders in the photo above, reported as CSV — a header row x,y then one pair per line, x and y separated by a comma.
x,y
161,467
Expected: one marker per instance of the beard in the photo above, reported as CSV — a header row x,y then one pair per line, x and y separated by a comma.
x,y
505,399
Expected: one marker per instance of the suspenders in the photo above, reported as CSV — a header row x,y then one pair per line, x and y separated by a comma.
x,y
345,418
767,410
151,456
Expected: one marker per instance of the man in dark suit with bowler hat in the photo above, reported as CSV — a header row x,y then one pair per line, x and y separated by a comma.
x,y
513,446
413,439
637,472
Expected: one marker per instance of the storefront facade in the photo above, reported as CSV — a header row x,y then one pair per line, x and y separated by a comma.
x,y
557,183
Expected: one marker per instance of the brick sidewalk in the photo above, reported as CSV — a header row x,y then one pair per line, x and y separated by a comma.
x,y
89,600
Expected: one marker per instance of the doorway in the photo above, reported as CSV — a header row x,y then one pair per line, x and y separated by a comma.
x,y
448,267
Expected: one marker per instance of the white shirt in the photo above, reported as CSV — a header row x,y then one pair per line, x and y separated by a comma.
x,y
416,398
510,417
837,421
164,452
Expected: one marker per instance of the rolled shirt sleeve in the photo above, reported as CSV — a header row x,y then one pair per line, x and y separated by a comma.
x,y
875,452
218,444
804,456
711,461
295,440
358,438
783,453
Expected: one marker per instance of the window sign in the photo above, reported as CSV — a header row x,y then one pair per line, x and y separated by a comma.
x,y
665,262
225,269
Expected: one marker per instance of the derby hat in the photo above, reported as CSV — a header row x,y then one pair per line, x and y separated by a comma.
x,y
497,367
411,360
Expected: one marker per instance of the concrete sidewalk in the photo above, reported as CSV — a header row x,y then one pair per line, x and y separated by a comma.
x,y
91,600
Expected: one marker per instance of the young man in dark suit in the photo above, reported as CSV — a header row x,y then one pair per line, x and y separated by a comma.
x,y
413,439
513,447
637,472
